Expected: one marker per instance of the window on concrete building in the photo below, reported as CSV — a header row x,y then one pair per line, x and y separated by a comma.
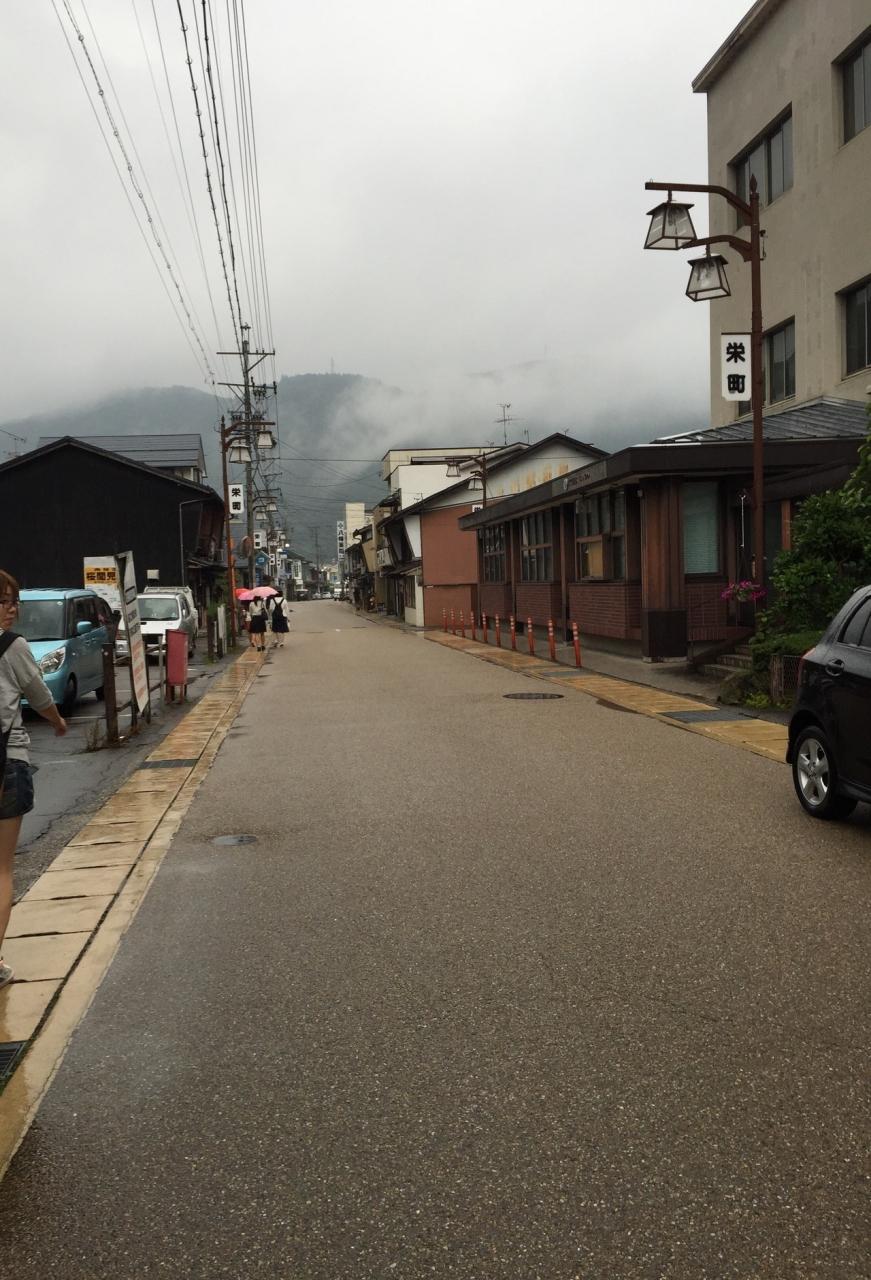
x,y
780,363
494,553
410,591
778,366
536,548
770,162
600,536
856,82
701,527
857,315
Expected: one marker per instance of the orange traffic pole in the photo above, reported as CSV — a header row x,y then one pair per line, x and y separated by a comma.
x,y
445,620
530,637
484,628
551,640
462,624
498,633
576,639
513,621
453,624
472,620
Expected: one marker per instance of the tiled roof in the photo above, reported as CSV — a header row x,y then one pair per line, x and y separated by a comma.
x,y
823,419
161,451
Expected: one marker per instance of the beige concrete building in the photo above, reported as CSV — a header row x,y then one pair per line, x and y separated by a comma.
x,y
789,100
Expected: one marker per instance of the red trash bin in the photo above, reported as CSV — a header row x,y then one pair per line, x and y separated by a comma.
x,y
176,663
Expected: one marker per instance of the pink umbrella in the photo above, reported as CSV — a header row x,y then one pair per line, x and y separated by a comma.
x,y
263,593
243,595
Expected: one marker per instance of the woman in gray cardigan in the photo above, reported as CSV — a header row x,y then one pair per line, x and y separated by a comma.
x,y
19,678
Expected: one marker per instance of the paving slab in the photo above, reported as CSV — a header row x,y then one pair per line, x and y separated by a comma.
x,y
22,1008
97,855
97,832
44,957
76,883
66,915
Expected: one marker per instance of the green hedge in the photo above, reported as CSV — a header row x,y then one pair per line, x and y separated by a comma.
x,y
765,647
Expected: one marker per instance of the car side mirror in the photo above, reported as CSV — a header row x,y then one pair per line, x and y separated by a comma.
x,y
82,628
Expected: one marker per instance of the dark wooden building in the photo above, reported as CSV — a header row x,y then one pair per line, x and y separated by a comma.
x,y
638,548
68,500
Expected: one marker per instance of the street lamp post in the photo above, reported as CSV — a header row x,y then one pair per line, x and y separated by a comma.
x,y
671,227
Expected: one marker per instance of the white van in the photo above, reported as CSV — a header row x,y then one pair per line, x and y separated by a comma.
x,y
159,612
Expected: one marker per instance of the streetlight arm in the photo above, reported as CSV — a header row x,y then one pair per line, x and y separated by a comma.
x,y
739,245
735,201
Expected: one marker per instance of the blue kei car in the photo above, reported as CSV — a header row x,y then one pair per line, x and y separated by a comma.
x,y
66,629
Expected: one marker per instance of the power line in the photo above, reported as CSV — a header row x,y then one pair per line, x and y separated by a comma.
x,y
176,155
207,373
235,313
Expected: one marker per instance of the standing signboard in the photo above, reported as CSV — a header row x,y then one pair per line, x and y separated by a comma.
x,y
735,365
101,575
130,613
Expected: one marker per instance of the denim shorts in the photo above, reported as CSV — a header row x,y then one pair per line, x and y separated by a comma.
x,y
17,789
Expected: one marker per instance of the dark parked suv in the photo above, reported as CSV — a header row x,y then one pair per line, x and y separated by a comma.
x,y
830,729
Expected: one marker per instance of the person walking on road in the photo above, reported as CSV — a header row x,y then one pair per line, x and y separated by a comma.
x,y
257,620
278,613
19,678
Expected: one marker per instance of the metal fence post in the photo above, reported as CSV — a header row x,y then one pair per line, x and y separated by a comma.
x,y
110,694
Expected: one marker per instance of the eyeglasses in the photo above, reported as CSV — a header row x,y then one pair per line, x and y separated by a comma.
x,y
9,602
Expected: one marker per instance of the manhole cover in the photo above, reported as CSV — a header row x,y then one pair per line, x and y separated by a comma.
x,y
532,697
235,840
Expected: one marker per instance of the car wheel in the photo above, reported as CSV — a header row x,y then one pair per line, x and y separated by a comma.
x,y
815,776
70,695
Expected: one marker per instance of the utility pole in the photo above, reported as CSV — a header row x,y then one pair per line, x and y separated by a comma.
x,y
249,466
317,561
253,427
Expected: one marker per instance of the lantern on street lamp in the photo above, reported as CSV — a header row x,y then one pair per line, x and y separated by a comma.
x,y
708,278
671,226
239,453
265,439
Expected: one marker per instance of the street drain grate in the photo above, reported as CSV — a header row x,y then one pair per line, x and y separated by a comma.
x,y
169,764
223,840
532,697
9,1055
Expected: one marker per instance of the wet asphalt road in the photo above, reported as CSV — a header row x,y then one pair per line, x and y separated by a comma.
x,y
503,990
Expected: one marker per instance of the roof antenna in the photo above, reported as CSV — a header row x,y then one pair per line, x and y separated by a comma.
x,y
505,419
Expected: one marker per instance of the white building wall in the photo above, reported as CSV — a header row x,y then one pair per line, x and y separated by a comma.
x,y
818,240
528,471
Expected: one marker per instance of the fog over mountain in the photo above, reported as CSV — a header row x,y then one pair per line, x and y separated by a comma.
x,y
335,427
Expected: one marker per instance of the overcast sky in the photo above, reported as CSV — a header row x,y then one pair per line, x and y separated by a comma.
x,y
447,189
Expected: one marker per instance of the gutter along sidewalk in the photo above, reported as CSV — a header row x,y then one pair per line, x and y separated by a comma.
x,y
66,929
724,724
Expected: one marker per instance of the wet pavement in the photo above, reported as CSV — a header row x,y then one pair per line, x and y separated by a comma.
x,y
502,988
